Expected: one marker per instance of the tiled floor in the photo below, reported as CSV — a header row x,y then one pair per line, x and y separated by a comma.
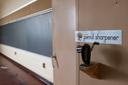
x,y
8,79
11,74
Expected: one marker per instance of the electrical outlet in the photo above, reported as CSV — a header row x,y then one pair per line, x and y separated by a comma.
x,y
44,65
15,53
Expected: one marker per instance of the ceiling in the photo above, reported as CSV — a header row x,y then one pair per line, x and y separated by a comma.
x,y
8,7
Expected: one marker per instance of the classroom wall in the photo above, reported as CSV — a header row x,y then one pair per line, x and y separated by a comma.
x,y
31,60
106,15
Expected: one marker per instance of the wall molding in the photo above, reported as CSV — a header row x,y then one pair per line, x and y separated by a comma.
x,y
29,16
13,11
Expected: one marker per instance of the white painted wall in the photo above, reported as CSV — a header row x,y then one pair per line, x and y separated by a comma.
x,y
30,60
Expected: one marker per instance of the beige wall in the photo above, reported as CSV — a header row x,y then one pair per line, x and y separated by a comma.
x,y
64,25
104,15
30,9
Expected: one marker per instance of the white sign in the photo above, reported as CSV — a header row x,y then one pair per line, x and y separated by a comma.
x,y
101,36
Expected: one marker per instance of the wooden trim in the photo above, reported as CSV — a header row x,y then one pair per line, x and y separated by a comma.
x,y
29,16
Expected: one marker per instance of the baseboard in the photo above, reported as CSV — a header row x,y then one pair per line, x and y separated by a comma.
x,y
31,61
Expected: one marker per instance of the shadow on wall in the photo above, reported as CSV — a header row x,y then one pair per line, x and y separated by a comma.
x,y
104,72
116,56
116,67
109,73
